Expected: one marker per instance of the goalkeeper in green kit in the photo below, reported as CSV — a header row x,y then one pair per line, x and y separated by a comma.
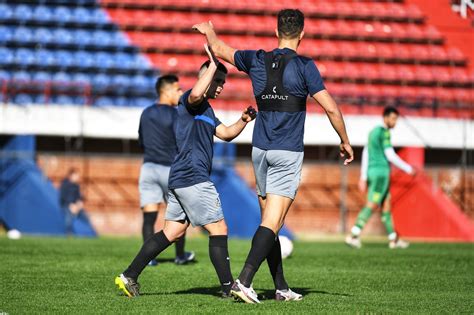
x,y
375,173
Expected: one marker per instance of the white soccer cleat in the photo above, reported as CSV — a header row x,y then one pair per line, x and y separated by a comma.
x,y
353,242
399,243
287,295
243,293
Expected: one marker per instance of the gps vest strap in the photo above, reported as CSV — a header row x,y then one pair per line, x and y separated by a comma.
x,y
275,97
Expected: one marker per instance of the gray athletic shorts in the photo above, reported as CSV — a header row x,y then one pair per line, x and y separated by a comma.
x,y
198,204
277,172
153,183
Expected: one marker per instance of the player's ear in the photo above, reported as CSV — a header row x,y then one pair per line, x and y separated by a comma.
x,y
301,35
276,33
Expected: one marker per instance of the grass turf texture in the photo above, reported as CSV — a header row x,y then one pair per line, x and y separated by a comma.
x,y
49,275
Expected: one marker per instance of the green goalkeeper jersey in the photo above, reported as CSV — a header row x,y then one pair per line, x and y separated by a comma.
x,y
379,140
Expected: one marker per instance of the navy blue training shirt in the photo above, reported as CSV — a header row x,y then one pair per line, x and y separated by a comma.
x,y
195,138
280,130
156,134
69,192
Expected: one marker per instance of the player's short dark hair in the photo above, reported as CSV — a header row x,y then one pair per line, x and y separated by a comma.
x,y
389,110
220,66
290,23
164,80
71,171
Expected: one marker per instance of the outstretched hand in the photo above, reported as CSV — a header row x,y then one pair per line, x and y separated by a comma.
x,y
249,114
203,28
345,150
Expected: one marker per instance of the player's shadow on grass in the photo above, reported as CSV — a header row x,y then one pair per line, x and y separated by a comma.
x,y
264,295
171,260
270,294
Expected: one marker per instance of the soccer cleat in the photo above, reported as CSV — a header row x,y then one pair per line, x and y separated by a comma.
x,y
188,257
241,292
130,287
153,262
399,243
353,242
287,295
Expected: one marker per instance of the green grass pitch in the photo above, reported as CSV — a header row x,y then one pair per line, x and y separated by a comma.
x,y
59,275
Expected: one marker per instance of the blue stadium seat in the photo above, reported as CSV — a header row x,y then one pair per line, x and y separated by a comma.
x,y
104,60
142,102
45,57
6,12
122,101
42,13
62,14
140,83
43,35
4,76
104,101
141,62
41,77
119,39
83,59
21,76
23,99
5,34
81,78
41,99
63,100
6,56
61,77
24,57
82,15
22,12
99,16
63,58
62,36
124,60
121,81
22,34
101,38
82,37
101,81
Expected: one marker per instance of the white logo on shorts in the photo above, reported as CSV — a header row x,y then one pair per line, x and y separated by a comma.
x,y
218,202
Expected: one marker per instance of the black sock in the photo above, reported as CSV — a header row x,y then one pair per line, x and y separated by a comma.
x,y
262,243
148,228
219,254
275,264
150,249
179,245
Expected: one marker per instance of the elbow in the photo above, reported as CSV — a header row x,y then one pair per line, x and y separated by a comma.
x,y
194,97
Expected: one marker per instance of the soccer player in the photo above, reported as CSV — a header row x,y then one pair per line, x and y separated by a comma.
x,y
375,171
192,197
156,135
281,81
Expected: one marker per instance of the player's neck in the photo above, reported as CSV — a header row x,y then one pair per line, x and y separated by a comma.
x,y
288,43
163,101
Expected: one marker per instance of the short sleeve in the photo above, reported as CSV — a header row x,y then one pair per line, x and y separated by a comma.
x,y
189,108
313,78
243,59
217,121
386,143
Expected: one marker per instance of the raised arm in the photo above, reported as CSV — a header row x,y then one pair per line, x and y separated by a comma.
x,y
229,133
197,93
221,49
337,122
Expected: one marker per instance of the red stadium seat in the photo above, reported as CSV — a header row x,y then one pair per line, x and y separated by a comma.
x,y
459,75
423,74
369,72
387,72
405,74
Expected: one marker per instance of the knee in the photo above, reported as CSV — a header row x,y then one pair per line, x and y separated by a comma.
x,y
219,228
274,225
173,235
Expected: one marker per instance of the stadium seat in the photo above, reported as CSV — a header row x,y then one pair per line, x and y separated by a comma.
x,y
82,37
120,81
63,58
22,12
101,81
63,100
103,101
62,14
104,60
45,57
42,13
81,78
82,15
141,83
6,12
21,76
22,35
62,36
142,102
83,59
43,35
100,38
5,34
23,99
61,78
41,77
24,57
